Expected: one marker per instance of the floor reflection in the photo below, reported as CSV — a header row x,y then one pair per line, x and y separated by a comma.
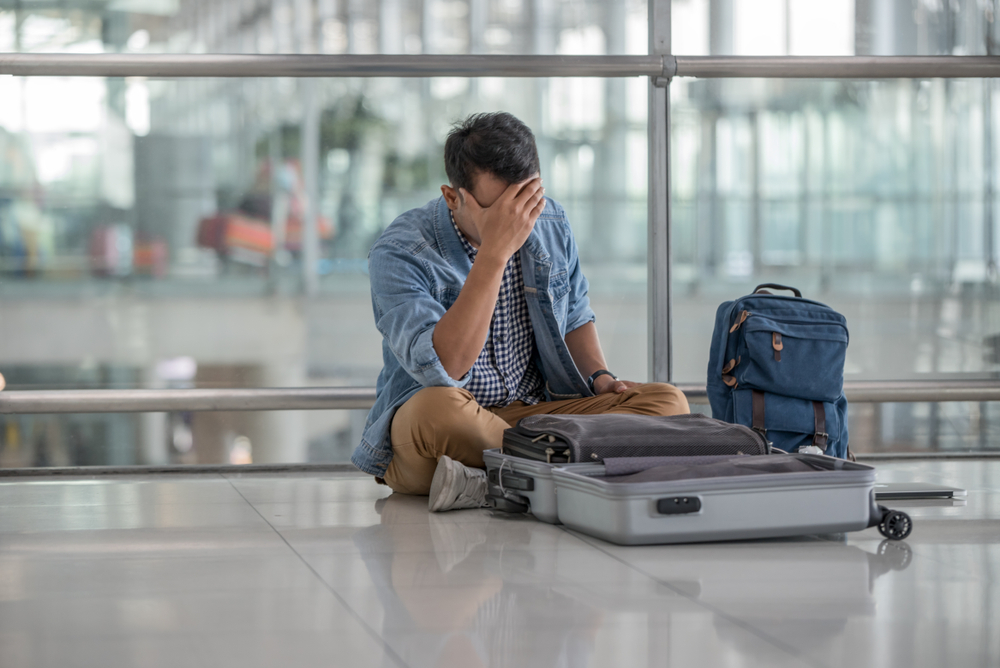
x,y
466,589
470,597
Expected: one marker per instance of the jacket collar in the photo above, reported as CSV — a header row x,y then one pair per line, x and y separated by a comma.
x,y
535,247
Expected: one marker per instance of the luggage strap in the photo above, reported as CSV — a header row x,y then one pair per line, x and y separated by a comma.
x,y
820,437
758,413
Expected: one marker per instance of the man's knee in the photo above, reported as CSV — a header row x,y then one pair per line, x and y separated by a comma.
x,y
662,398
432,409
436,399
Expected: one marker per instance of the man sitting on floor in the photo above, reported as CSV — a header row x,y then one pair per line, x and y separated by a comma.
x,y
485,320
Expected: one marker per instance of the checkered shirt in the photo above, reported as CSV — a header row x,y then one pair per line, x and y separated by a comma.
x,y
505,371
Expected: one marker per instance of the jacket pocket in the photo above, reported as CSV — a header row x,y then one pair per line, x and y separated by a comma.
x,y
558,286
558,293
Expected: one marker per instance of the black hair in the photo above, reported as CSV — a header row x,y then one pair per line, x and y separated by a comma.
x,y
497,143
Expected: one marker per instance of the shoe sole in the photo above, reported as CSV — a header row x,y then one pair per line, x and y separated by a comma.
x,y
444,475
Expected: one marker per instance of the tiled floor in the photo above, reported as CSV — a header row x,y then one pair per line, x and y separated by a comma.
x,y
309,570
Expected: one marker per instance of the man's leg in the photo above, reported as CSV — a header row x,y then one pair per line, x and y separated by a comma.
x,y
647,399
438,421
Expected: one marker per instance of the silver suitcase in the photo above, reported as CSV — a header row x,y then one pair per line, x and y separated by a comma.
x,y
833,496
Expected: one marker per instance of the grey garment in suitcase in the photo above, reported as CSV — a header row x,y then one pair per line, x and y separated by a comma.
x,y
740,498
559,439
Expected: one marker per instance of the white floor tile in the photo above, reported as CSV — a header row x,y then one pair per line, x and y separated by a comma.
x,y
15,519
107,492
266,570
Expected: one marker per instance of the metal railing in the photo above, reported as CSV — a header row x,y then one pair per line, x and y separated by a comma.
x,y
838,67
342,398
660,66
379,65
314,65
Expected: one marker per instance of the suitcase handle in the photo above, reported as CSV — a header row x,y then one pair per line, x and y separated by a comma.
x,y
678,505
512,481
776,286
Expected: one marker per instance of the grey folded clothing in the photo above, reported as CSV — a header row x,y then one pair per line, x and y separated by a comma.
x,y
558,439
616,466
708,467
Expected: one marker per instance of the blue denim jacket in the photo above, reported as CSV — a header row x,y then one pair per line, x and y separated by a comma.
x,y
417,269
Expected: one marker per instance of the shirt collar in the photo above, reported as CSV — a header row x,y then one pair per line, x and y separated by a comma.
x,y
470,250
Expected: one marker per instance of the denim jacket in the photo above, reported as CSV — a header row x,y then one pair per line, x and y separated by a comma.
x,y
417,269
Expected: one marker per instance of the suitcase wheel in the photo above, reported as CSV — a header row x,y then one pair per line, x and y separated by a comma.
x,y
895,525
506,505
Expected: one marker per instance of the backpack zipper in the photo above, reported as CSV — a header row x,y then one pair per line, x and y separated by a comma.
x,y
793,321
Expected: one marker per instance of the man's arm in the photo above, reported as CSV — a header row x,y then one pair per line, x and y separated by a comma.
x,y
585,348
460,334
504,226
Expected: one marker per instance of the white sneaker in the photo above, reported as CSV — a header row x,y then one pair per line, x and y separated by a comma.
x,y
456,486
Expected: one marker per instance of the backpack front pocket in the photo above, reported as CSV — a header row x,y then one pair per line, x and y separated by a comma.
x,y
806,356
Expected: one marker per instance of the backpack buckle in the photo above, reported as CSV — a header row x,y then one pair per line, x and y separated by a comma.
x,y
820,439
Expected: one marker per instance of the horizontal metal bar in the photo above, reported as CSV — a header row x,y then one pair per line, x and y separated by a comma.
x,y
185,469
312,65
460,65
340,398
934,391
155,401
897,391
91,472
839,67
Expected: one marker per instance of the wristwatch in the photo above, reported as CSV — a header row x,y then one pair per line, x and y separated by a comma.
x,y
597,374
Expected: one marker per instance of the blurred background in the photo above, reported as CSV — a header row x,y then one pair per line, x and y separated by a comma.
x,y
214,232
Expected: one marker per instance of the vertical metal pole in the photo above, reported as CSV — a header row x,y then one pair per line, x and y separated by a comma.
x,y
658,290
309,157
478,22
310,178
989,239
756,231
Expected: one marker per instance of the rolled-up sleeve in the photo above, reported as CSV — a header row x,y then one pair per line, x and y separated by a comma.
x,y
578,312
406,313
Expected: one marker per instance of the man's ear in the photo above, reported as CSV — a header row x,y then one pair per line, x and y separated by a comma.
x,y
451,197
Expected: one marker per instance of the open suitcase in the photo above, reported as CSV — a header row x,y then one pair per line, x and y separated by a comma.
x,y
520,473
730,498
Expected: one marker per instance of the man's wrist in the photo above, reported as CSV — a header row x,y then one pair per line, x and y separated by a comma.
x,y
600,379
491,259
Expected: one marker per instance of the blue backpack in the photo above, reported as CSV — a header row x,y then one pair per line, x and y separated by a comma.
x,y
777,366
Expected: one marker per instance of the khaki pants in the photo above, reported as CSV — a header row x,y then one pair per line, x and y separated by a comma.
x,y
447,421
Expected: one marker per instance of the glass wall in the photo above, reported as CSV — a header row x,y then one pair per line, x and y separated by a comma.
x,y
877,197
213,232
156,233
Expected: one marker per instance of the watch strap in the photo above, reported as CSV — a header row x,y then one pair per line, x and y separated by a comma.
x,y
597,374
